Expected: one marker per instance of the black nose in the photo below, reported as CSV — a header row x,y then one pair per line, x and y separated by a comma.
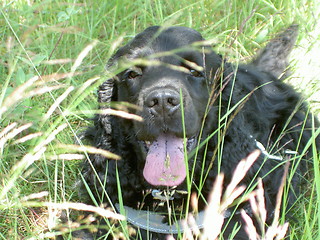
x,y
163,102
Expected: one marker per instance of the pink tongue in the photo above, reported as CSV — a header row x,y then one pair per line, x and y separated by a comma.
x,y
165,162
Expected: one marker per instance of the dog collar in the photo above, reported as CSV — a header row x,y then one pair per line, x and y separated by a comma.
x,y
154,221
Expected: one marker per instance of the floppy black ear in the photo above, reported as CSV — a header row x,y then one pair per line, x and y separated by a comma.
x,y
105,91
274,57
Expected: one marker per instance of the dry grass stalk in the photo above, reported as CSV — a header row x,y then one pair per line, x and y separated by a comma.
x,y
89,149
11,131
28,137
67,157
28,158
84,207
109,111
219,203
56,103
82,55
58,61
257,202
34,86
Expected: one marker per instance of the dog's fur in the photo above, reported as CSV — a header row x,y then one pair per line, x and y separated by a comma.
x,y
172,69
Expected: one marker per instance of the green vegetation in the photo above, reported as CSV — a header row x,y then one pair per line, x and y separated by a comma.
x,y
53,58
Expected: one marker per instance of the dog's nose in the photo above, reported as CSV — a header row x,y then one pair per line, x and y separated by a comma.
x,y
163,102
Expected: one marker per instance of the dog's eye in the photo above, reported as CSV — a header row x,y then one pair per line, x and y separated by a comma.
x,y
133,73
196,73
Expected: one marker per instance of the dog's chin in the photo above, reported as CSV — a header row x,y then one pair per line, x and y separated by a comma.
x,y
166,159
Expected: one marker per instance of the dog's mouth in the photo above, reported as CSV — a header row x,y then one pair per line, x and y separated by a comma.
x,y
166,160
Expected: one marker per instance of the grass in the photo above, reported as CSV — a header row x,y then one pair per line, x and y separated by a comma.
x,y
53,57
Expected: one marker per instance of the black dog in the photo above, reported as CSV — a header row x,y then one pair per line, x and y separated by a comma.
x,y
193,103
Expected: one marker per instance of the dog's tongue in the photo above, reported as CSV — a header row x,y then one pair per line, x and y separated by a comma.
x,y
165,162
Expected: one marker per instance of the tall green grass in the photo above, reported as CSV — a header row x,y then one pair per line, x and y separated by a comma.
x,y
53,57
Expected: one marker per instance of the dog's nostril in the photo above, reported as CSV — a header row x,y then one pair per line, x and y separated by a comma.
x,y
173,101
153,102
165,101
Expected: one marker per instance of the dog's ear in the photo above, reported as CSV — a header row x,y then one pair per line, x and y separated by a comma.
x,y
105,91
274,57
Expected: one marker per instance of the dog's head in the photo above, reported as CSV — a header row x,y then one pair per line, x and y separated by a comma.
x,y
169,76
